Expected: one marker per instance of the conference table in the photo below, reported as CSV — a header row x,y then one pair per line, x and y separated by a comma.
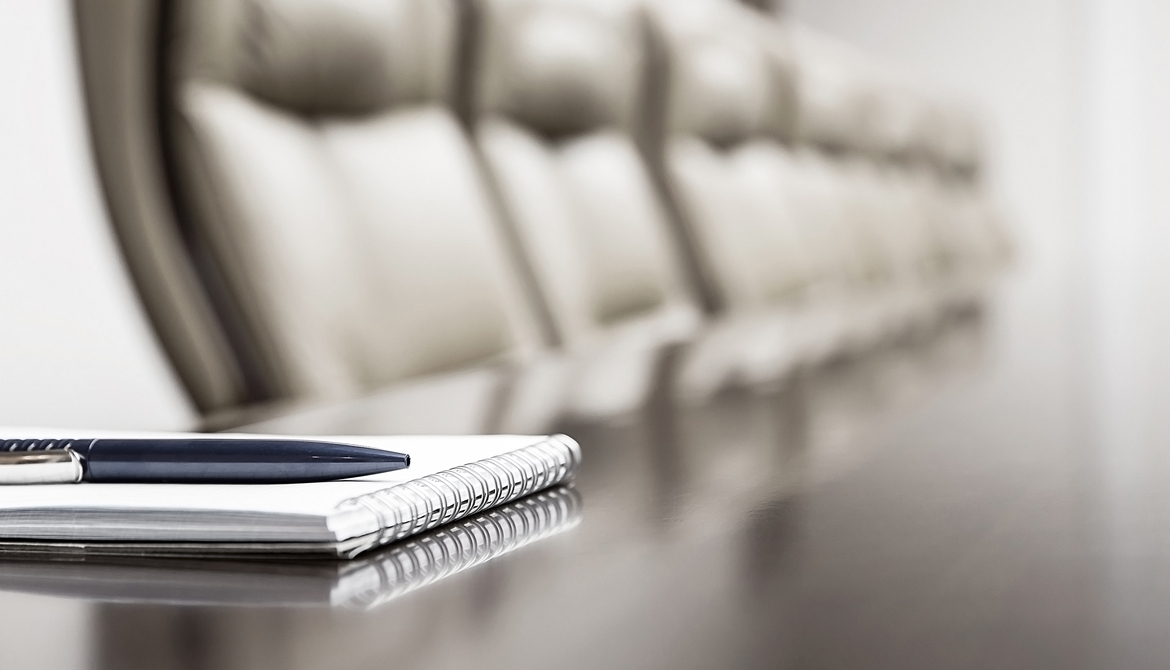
x,y
935,502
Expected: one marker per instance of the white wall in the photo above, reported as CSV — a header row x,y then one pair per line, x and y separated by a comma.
x,y
1127,246
75,348
1127,98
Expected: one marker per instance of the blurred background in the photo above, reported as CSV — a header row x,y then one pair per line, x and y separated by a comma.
x,y
200,281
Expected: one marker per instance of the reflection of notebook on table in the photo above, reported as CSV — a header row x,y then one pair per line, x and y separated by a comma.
x,y
363,583
449,478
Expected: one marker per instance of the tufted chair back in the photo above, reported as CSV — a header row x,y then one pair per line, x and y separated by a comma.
x,y
556,98
337,197
722,153
555,102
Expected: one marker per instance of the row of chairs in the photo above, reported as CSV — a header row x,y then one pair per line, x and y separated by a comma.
x,y
546,196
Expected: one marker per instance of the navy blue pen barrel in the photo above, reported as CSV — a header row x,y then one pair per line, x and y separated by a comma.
x,y
233,461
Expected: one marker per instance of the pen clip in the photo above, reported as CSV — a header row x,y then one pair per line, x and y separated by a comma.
x,y
56,466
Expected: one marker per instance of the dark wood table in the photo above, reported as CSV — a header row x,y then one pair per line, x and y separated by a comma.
x,y
921,506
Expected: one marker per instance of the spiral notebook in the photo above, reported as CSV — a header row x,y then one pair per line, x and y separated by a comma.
x,y
449,478
363,583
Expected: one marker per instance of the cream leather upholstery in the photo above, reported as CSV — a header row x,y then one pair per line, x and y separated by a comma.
x,y
559,68
953,141
556,92
853,107
848,102
919,153
978,243
767,224
339,195
724,93
836,92
315,224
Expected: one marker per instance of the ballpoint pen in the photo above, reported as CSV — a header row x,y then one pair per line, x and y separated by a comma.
x,y
189,461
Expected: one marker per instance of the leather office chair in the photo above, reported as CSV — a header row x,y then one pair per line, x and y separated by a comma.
x,y
978,247
946,234
117,44
766,222
953,145
318,156
554,101
884,134
836,91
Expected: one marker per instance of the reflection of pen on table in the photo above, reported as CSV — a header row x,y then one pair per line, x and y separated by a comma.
x,y
359,584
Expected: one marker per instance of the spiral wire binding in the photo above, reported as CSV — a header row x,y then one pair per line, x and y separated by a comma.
x,y
434,500
421,561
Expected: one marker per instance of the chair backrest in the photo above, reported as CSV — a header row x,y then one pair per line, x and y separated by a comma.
x,y
118,46
319,160
723,158
555,98
836,95
900,152
953,141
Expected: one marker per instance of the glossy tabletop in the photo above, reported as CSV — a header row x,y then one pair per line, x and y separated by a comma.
x,y
933,504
